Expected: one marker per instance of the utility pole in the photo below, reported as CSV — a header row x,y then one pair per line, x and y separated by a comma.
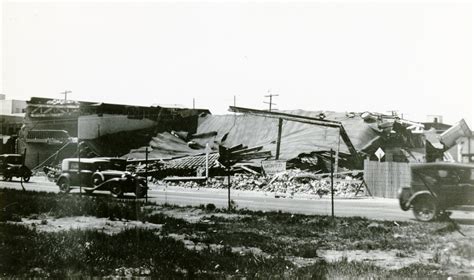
x,y
65,94
235,116
146,174
332,186
271,98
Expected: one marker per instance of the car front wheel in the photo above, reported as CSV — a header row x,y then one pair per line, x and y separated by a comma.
x,y
116,190
425,209
26,179
64,186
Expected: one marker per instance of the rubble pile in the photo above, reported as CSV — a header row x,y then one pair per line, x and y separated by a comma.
x,y
152,167
285,184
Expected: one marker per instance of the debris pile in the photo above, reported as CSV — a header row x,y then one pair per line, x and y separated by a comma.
x,y
284,184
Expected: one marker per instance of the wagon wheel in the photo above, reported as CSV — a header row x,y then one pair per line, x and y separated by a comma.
x,y
425,209
116,190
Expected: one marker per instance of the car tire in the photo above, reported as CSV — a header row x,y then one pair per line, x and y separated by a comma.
x,y
5,177
403,205
116,190
64,186
26,179
425,209
97,179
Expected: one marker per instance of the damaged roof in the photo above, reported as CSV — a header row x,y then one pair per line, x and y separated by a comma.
x,y
296,137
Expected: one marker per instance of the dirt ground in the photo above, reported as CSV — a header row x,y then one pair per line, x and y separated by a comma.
x,y
448,254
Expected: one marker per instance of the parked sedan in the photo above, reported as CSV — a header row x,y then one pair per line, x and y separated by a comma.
x,y
11,165
100,174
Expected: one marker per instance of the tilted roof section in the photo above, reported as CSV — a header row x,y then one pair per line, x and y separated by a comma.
x,y
296,138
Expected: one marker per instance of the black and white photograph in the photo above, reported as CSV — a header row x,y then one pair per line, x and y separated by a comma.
x,y
152,139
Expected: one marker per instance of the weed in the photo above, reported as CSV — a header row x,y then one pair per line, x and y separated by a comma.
x,y
210,207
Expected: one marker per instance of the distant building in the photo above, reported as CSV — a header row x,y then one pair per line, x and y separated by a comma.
x,y
436,122
12,106
12,113
465,149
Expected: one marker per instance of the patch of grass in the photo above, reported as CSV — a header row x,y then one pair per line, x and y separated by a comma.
x,y
77,253
24,204
28,253
345,269
170,224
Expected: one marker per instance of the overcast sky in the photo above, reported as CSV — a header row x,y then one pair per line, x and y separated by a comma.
x,y
344,56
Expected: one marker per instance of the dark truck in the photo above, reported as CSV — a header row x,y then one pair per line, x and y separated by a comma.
x,y
438,187
106,174
12,165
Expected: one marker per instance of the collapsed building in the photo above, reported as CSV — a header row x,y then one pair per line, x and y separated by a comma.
x,y
53,128
176,138
304,139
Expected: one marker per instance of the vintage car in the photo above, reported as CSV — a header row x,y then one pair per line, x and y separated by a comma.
x,y
436,188
11,165
107,174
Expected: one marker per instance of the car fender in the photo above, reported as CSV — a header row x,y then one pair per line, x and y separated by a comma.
x,y
114,181
417,195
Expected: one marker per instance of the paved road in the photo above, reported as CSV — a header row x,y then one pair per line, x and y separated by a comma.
x,y
373,208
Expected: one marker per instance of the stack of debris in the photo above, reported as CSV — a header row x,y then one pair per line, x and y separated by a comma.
x,y
283,184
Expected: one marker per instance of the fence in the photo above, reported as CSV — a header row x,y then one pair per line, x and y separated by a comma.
x,y
385,178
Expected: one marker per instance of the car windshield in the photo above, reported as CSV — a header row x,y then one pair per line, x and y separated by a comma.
x,y
445,176
14,160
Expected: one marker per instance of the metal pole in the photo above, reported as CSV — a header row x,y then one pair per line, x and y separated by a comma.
x,y
146,174
207,161
280,124
336,161
228,188
235,116
79,166
332,186
21,175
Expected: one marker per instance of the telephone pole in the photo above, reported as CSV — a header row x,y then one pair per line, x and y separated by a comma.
x,y
65,94
270,103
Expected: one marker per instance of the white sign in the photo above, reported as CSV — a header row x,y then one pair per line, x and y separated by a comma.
x,y
379,153
272,167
